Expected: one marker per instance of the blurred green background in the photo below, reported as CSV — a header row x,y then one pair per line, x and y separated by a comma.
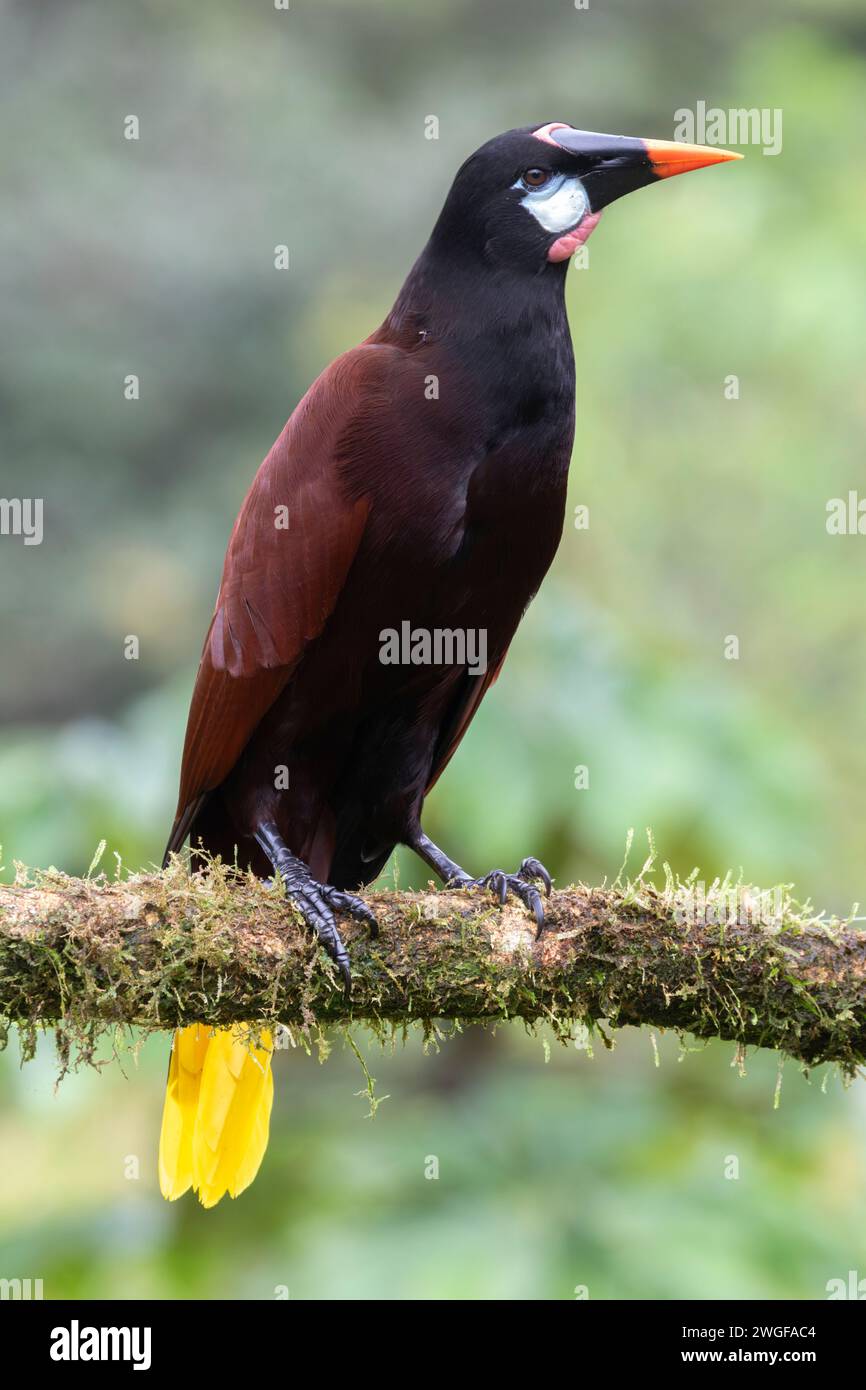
x,y
707,519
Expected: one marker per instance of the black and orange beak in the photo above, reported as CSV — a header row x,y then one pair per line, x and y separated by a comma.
x,y
613,165
669,157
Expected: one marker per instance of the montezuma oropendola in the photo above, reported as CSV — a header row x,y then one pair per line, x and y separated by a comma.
x,y
424,475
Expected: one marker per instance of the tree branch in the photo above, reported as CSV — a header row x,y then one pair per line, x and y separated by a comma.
x,y
165,949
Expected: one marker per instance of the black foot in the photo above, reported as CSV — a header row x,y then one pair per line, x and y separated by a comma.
x,y
317,902
521,884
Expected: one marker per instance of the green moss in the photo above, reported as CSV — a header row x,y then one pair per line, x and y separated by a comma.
x,y
160,950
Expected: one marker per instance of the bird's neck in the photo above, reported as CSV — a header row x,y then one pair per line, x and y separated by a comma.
x,y
467,300
502,341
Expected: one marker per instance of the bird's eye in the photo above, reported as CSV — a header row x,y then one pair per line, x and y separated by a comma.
x,y
535,178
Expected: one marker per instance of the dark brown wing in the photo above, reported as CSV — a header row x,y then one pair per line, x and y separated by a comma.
x,y
464,711
280,583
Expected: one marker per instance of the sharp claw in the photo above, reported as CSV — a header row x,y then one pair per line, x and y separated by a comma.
x,y
321,920
533,868
362,913
318,904
497,882
531,897
521,884
368,915
355,906
332,942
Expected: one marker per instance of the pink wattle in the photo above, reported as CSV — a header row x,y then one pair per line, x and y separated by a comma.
x,y
566,245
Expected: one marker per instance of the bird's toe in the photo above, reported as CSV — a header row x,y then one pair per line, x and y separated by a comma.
x,y
317,912
521,885
354,907
529,894
532,868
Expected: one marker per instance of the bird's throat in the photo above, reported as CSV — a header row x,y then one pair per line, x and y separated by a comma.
x,y
457,300
566,245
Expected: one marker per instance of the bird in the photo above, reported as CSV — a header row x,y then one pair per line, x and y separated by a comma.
x,y
379,566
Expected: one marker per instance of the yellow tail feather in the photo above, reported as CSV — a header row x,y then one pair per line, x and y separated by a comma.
x,y
217,1112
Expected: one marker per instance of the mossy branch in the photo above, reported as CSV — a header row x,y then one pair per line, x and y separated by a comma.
x,y
158,950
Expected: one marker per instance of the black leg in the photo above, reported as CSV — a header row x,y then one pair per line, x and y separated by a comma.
x,y
317,902
450,873
521,884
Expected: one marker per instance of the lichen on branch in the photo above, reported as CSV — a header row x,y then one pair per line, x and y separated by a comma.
x,y
157,950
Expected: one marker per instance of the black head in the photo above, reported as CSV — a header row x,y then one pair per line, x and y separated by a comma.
x,y
531,197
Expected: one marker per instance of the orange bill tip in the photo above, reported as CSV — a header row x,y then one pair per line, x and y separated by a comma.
x,y
669,157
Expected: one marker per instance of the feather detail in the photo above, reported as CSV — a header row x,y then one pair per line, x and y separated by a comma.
x,y
217,1112
188,1051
